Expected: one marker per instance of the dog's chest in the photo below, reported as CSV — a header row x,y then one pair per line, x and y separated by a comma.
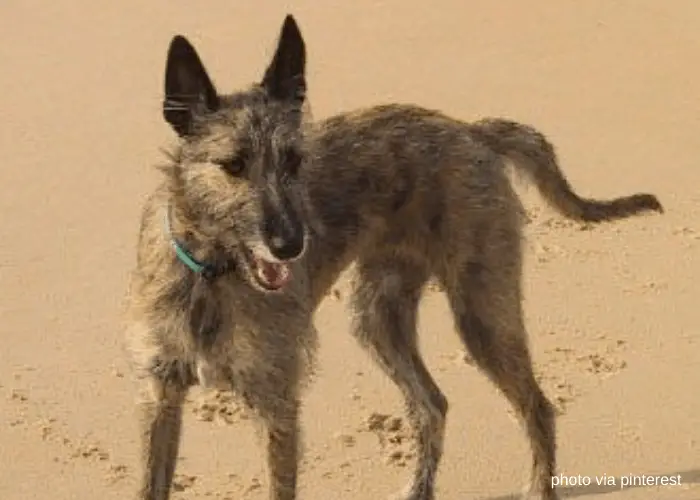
x,y
260,336
237,352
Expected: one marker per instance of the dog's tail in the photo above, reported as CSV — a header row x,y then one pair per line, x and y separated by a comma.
x,y
532,153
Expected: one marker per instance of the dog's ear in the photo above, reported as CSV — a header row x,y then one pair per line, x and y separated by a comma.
x,y
285,77
188,89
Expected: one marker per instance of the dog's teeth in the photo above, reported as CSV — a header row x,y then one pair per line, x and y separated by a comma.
x,y
261,274
284,271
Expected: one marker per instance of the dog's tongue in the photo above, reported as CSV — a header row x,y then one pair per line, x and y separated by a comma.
x,y
275,275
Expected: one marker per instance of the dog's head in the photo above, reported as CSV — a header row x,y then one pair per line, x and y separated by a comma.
x,y
235,177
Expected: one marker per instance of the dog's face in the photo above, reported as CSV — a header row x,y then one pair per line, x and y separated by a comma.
x,y
236,178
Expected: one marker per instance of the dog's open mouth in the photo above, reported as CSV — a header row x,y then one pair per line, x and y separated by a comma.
x,y
269,275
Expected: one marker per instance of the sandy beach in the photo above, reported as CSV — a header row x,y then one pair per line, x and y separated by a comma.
x,y
609,308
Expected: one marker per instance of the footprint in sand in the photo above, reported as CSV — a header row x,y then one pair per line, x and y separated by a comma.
x,y
605,357
546,252
116,473
219,406
183,482
565,374
395,438
689,235
51,430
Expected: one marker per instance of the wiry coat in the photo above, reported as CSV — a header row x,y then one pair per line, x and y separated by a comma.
x,y
257,193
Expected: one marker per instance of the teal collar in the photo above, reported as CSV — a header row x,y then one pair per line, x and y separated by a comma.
x,y
209,271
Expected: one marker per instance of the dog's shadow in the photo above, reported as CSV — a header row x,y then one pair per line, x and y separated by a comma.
x,y
687,477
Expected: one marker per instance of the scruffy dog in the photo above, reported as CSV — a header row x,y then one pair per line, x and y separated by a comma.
x,y
261,209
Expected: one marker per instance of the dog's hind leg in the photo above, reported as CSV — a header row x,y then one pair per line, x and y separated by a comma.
x,y
385,301
485,298
160,420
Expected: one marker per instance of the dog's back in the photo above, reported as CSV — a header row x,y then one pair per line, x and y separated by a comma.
x,y
421,182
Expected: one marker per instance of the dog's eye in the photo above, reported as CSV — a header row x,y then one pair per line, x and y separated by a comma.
x,y
234,166
292,161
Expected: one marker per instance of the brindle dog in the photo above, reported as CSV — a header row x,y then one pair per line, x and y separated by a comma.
x,y
260,210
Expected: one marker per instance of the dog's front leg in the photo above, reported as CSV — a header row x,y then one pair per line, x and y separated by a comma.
x,y
283,451
160,422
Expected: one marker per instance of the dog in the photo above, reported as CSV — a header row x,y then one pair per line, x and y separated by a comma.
x,y
260,210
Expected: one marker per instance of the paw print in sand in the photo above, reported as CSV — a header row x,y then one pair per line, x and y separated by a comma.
x,y
219,406
395,438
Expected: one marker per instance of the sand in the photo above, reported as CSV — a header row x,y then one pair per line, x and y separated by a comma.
x,y
609,309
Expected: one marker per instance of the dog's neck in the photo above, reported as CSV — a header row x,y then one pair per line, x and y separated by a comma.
x,y
211,266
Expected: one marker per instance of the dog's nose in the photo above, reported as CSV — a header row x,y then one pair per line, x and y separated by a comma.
x,y
286,249
286,241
